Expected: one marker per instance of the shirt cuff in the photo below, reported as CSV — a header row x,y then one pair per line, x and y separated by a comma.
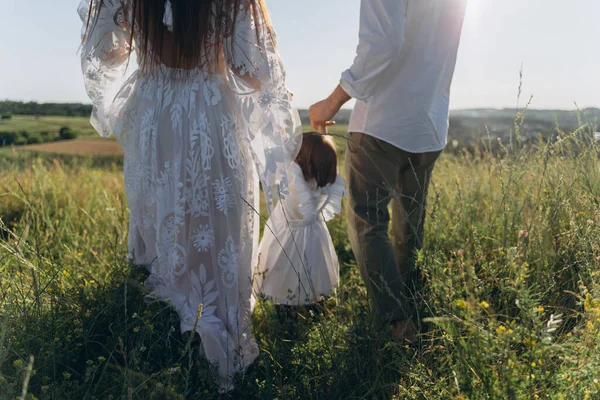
x,y
346,84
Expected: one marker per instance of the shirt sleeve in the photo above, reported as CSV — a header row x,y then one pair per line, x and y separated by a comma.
x,y
381,38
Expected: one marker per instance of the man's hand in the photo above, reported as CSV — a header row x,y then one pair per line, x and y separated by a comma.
x,y
322,113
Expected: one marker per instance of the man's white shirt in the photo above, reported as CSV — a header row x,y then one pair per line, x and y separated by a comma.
x,y
403,71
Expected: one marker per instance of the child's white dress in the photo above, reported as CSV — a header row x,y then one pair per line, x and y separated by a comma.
x,y
297,261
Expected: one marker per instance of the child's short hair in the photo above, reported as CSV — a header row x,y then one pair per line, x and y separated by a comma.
x,y
318,159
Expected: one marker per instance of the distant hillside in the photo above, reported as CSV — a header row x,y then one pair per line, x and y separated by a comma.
x,y
466,126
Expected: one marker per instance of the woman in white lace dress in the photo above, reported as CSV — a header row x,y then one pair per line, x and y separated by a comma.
x,y
204,115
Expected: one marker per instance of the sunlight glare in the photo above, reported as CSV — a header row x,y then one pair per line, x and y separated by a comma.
x,y
473,16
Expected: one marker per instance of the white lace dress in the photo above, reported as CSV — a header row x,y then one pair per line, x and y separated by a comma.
x,y
195,146
297,261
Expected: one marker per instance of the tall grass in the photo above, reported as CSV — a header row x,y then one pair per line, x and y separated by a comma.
x,y
511,261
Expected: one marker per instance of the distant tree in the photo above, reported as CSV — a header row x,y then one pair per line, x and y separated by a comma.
x,y
20,140
7,138
6,116
34,138
37,109
67,133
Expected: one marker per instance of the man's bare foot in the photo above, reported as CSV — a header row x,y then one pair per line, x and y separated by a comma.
x,y
404,331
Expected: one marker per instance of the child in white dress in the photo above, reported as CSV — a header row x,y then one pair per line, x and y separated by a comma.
x,y
297,261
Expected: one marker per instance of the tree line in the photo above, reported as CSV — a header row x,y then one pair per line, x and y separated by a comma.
x,y
44,109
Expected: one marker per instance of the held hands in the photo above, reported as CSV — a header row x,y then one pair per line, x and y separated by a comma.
x,y
322,113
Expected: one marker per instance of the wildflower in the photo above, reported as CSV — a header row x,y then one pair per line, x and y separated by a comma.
x,y
101,359
18,363
529,342
501,330
533,364
590,222
539,309
589,325
136,329
484,304
460,303
460,253
523,234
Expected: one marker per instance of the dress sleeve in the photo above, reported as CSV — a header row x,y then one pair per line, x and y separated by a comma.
x,y
333,202
105,49
256,75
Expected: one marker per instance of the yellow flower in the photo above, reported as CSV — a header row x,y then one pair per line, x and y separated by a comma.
x,y
101,359
136,329
540,309
460,303
484,304
589,325
533,364
18,363
500,330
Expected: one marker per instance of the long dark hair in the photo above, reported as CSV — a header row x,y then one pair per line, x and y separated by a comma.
x,y
199,30
318,159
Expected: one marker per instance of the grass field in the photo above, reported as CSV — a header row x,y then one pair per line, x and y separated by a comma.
x,y
512,262
95,146
46,124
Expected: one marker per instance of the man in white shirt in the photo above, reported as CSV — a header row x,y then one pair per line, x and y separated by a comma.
x,y
401,80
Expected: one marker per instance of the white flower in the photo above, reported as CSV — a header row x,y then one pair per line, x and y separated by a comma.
x,y
266,99
228,260
204,238
196,194
223,193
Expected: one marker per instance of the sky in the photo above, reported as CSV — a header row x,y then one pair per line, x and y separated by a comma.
x,y
554,41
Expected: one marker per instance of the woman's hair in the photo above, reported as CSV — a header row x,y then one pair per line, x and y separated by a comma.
x,y
197,37
318,159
